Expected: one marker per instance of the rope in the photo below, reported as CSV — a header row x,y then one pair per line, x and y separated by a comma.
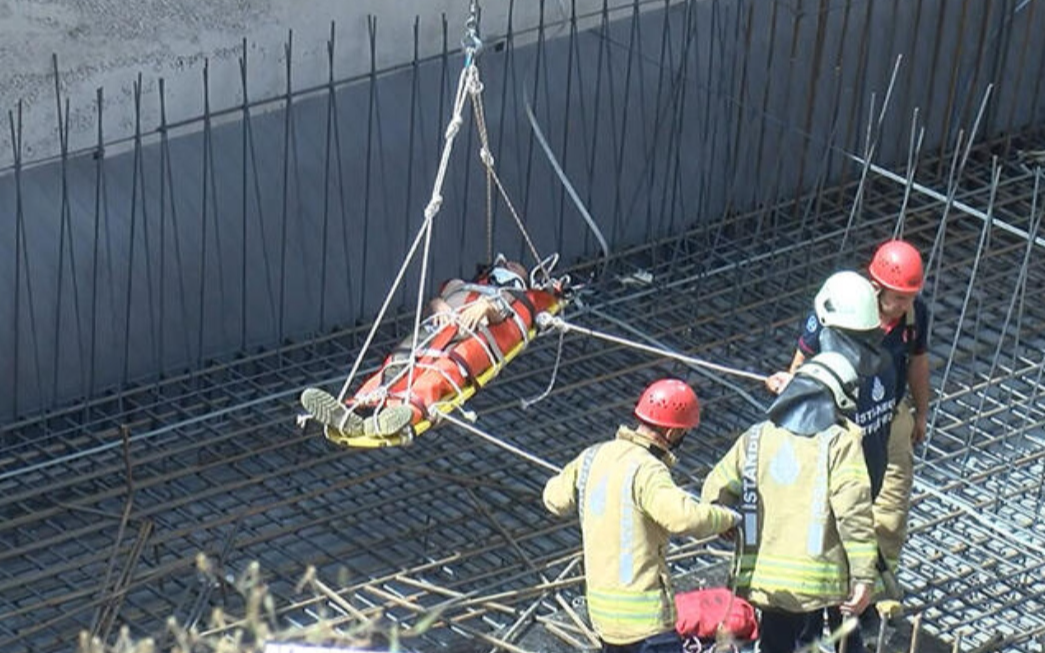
x,y
434,204
470,87
525,403
548,320
566,182
500,443
475,89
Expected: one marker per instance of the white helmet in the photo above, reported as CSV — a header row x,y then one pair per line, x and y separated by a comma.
x,y
834,371
847,301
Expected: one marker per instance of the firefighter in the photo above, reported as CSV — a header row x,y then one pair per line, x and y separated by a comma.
x,y
882,412
897,273
896,269
628,506
799,479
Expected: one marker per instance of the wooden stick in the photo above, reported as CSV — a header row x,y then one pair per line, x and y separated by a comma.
x,y
588,632
339,600
915,629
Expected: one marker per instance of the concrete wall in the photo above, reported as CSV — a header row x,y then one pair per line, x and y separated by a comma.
x,y
291,219
106,44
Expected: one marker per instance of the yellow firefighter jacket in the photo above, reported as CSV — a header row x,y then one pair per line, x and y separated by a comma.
x,y
628,506
808,524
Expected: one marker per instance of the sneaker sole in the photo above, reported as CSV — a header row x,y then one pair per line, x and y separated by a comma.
x,y
327,410
388,421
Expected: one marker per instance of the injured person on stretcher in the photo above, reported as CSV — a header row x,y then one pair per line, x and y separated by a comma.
x,y
472,330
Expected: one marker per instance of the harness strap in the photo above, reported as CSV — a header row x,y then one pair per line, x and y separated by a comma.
x,y
493,350
521,297
412,397
524,299
462,364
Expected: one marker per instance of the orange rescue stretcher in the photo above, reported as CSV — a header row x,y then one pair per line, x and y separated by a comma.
x,y
449,367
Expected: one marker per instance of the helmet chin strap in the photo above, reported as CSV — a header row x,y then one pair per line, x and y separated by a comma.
x,y
673,445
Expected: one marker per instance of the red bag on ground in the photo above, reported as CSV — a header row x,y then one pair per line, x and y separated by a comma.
x,y
701,611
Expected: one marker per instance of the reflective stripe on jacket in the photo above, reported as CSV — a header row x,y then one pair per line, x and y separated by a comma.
x,y
815,521
629,506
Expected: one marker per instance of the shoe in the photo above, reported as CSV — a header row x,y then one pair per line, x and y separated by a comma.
x,y
388,422
327,410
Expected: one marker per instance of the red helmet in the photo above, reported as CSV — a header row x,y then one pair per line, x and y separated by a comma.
x,y
669,403
897,265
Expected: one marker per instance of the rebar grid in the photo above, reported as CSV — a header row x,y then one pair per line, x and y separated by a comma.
x,y
211,462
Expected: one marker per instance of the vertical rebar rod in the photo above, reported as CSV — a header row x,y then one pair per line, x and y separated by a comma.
x,y
288,126
508,75
567,111
1010,125
64,234
533,145
969,91
644,122
739,116
1038,77
952,85
244,193
138,199
201,285
168,194
914,150
96,253
22,263
620,142
822,19
539,76
674,177
269,288
874,134
984,233
343,213
860,83
368,154
998,41
763,111
911,104
836,102
383,176
1019,287
464,224
596,114
708,133
325,239
411,147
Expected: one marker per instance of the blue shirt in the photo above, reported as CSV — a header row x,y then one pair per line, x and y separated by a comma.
x,y
902,341
875,402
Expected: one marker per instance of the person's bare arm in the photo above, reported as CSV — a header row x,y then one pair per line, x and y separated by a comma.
x,y
918,380
483,309
440,310
797,361
776,382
